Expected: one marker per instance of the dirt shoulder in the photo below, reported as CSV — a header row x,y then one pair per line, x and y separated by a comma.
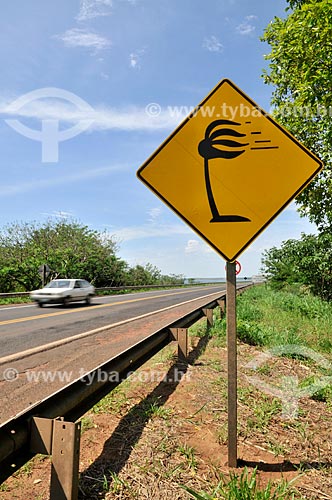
x,y
167,428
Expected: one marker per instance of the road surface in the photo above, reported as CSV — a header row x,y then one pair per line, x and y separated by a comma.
x,y
25,326
44,349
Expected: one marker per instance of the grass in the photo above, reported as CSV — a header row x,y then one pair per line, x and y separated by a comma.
x,y
245,487
188,453
264,409
15,300
268,318
295,318
115,401
87,423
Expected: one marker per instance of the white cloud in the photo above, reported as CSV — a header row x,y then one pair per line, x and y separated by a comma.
x,y
213,44
154,214
89,9
135,59
59,214
103,118
149,231
77,37
192,246
246,27
197,247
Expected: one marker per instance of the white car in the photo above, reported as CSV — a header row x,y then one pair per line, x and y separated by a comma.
x,y
63,291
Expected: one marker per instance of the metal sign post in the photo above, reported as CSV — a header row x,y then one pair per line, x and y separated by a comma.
x,y
44,271
231,362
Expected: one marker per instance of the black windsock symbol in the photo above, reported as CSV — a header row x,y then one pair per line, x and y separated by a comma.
x,y
210,148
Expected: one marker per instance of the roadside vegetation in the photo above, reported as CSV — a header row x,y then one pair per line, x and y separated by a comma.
x,y
70,249
307,262
245,486
299,42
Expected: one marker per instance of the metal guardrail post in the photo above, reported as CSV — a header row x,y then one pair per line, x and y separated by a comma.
x,y
209,316
181,336
222,306
61,440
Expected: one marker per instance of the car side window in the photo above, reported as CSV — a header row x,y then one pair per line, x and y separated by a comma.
x,y
77,284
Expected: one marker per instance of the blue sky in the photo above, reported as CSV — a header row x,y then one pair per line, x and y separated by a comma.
x,y
118,56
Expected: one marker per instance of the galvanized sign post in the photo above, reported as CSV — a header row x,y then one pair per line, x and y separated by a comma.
x,y
231,362
44,271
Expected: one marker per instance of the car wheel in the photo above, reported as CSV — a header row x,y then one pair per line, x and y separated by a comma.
x,y
65,301
40,304
88,300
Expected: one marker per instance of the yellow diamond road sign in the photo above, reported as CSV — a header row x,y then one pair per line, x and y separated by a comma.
x,y
229,169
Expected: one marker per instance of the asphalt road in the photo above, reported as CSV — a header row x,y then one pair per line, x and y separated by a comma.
x,y
26,326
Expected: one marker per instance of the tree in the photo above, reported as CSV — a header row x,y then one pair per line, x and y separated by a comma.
x,y
143,275
300,69
69,248
306,261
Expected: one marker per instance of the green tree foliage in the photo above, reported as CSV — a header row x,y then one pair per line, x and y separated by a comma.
x,y
143,275
307,261
150,275
69,249
300,69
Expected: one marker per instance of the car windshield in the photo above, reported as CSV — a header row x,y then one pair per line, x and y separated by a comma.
x,y
58,284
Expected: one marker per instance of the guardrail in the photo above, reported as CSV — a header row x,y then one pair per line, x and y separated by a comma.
x,y
49,427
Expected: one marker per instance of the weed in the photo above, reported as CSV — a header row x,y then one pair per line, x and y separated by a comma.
x,y
251,333
221,384
244,393
264,369
113,402
267,317
245,487
218,333
264,410
222,435
155,410
277,448
152,408
87,423
117,483
199,329
15,300
318,388
249,311
189,453
25,469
